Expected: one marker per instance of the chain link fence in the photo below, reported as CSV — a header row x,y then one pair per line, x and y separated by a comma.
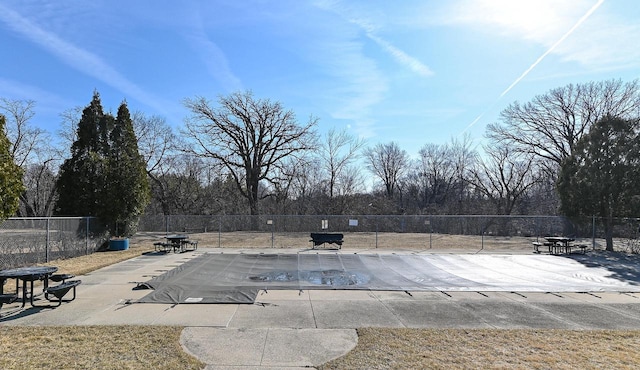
x,y
28,241
468,232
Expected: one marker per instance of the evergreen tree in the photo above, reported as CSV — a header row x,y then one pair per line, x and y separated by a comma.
x,y
81,177
601,176
127,186
11,186
106,175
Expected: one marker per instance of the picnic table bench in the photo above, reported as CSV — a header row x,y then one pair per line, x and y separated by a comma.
x,y
538,245
8,298
331,238
59,291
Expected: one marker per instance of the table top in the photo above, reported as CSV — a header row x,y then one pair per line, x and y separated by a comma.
x,y
177,237
559,239
31,271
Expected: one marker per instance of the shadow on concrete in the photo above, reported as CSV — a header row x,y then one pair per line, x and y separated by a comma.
x,y
623,267
17,313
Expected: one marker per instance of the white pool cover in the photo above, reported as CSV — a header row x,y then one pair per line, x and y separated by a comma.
x,y
236,278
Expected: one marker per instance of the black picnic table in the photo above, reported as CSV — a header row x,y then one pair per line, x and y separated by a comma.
x,y
177,242
559,244
27,275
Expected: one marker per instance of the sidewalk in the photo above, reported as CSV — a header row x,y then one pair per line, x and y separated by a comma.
x,y
307,328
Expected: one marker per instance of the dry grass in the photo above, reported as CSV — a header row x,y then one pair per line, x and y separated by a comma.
x,y
84,264
94,347
495,349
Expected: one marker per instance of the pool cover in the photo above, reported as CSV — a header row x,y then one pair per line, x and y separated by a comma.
x,y
237,278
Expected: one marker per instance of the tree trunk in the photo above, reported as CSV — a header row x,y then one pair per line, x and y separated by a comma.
x,y
608,233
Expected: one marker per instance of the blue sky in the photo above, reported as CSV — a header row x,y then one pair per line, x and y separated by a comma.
x,y
413,72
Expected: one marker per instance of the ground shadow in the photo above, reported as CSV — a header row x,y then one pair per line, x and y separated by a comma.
x,y
623,267
19,312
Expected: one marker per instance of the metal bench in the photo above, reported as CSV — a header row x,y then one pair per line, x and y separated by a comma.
x,y
538,245
191,245
61,277
61,290
8,298
163,247
331,238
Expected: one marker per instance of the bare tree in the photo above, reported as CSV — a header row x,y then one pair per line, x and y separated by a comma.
x,y
68,130
250,137
550,125
25,139
504,177
337,152
306,187
33,151
388,162
39,180
156,143
463,158
436,172
155,139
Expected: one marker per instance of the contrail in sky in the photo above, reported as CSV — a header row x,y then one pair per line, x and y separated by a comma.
x,y
525,73
575,26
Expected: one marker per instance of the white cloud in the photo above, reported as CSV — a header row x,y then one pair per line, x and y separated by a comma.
x,y
341,54
79,59
214,59
361,85
402,58
370,28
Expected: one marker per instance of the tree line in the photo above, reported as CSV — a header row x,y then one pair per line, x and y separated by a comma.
x,y
245,155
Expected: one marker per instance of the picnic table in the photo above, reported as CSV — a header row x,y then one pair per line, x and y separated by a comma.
x,y
177,242
559,245
26,275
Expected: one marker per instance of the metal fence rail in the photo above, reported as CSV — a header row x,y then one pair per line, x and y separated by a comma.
x,y
27,241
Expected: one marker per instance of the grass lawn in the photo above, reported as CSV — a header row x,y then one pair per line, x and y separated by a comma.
x,y
491,349
158,347
93,347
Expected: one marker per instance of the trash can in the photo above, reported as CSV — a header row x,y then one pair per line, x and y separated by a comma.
x,y
118,244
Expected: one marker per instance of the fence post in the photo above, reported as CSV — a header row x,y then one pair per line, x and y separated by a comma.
x,y
46,249
377,220
593,232
86,237
482,230
430,233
